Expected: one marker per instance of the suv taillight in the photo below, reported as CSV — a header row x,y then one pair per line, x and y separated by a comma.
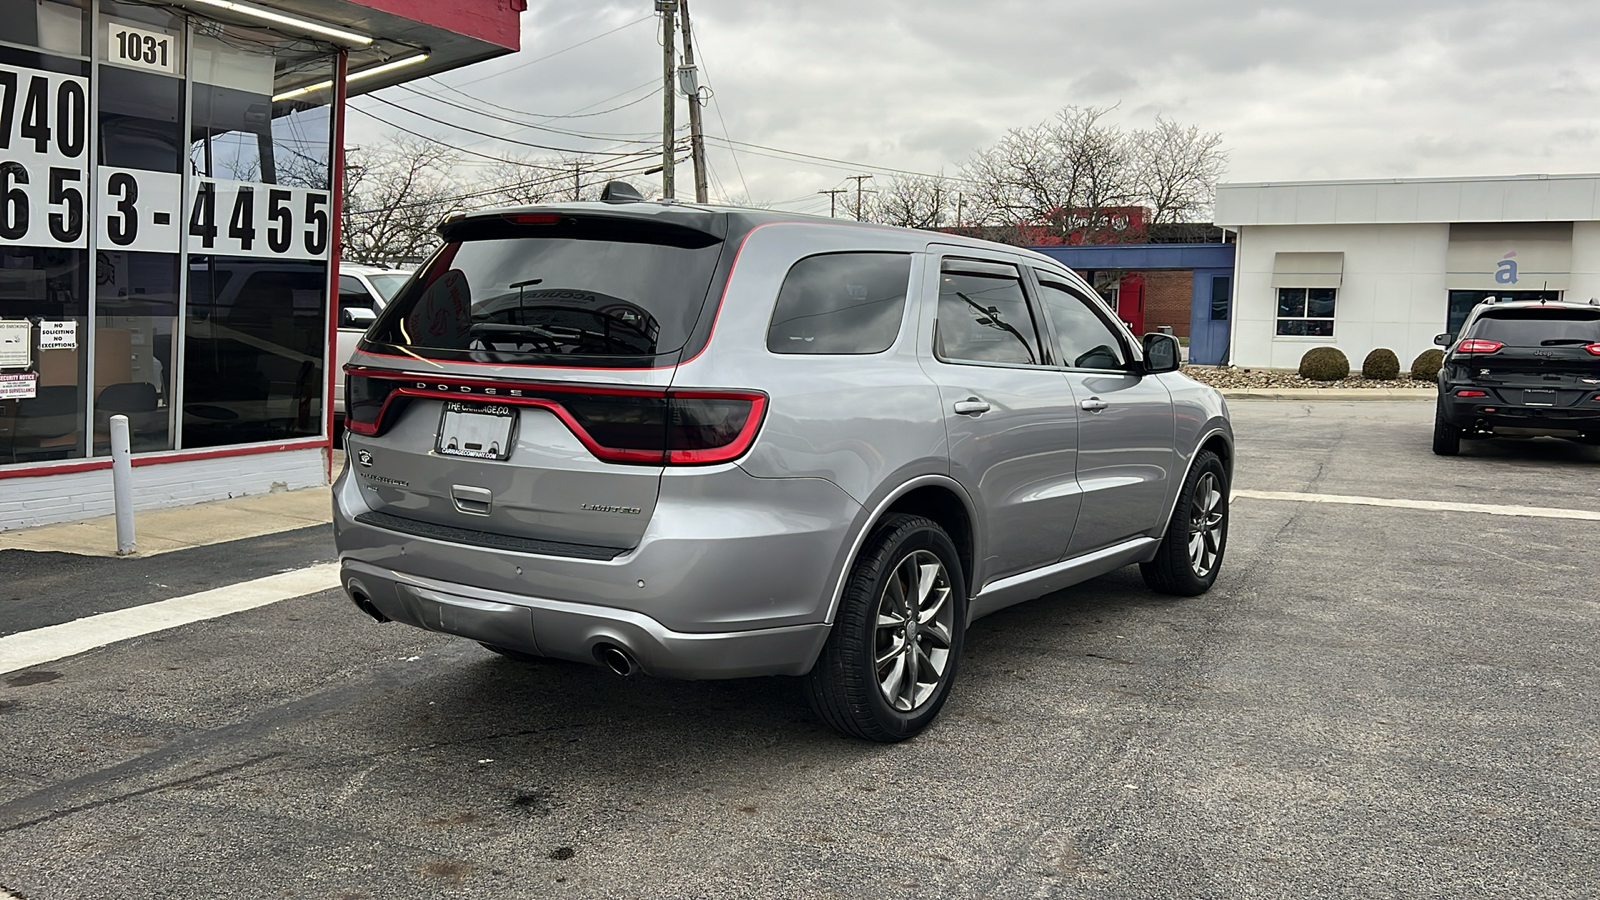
x,y
1593,348
619,425
1475,345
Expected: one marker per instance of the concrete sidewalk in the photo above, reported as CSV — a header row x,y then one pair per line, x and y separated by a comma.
x,y
159,531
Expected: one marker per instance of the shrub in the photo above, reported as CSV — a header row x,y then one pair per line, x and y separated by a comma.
x,y
1426,366
1324,364
1381,365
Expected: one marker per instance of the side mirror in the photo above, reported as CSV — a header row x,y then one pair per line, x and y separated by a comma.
x,y
356,317
1161,353
1444,340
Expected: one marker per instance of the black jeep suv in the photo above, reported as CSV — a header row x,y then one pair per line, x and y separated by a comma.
x,y
1519,369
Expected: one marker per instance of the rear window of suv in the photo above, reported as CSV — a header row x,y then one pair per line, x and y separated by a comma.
x,y
570,291
1539,326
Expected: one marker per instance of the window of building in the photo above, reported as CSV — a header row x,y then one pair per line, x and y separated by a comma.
x,y
984,315
1083,339
1306,312
849,303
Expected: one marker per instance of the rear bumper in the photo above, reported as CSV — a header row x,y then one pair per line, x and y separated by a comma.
x,y
1479,414
577,631
734,576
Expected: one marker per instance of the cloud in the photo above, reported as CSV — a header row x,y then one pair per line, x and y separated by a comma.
x,y
1354,89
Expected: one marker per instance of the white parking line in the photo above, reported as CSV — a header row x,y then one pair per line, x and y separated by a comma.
x,y
1493,509
42,645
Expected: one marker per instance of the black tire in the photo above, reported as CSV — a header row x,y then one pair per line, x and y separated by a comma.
x,y
1446,437
844,687
1175,570
517,655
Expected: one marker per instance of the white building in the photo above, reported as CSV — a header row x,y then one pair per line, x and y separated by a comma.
x,y
1390,263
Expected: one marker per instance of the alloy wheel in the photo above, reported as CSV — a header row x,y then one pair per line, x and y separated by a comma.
x,y
1205,525
915,626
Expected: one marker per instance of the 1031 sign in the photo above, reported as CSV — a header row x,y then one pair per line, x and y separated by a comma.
x,y
44,130
233,218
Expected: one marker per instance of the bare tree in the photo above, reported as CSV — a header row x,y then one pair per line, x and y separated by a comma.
x,y
1066,179
394,199
914,201
1176,170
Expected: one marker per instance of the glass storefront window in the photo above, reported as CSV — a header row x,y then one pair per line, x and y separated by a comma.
x,y
44,256
165,228
256,325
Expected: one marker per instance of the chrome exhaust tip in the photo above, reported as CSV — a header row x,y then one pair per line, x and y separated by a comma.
x,y
365,604
616,659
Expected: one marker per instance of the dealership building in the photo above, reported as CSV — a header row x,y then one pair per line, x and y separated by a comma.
x,y
1360,265
169,233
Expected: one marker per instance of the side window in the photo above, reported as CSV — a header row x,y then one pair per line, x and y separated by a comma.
x,y
1083,339
846,303
352,295
983,315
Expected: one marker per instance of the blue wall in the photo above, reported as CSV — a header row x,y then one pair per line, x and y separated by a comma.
x,y
1208,337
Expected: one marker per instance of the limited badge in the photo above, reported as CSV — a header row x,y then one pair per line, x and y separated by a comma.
x,y
364,457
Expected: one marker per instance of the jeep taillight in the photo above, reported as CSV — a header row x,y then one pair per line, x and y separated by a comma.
x,y
1475,345
638,426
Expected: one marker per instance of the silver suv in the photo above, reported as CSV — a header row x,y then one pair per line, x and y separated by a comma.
x,y
705,442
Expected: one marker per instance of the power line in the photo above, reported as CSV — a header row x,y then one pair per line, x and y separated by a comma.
x,y
546,56
487,156
496,137
837,163
615,137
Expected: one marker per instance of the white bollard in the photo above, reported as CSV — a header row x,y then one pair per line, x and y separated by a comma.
x,y
122,483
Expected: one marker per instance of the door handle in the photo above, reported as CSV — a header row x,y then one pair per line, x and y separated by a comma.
x,y
1094,404
971,406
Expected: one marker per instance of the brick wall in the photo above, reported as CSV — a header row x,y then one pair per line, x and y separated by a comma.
x,y
1167,297
72,497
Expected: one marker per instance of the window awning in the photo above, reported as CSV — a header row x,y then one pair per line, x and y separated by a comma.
x,y
1534,256
1307,270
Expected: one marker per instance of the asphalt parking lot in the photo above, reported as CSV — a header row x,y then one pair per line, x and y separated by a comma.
x,y
1375,701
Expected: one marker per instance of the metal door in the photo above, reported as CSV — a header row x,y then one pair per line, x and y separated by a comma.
x,y
1010,417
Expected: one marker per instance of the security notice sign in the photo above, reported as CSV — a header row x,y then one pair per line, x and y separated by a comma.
x,y
20,386
44,131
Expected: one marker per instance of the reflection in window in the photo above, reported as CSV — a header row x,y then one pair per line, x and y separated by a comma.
x,y
1306,311
136,312
54,26
985,318
254,339
841,303
1083,339
239,132
45,285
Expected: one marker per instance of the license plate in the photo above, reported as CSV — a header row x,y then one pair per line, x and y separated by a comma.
x,y
478,431
1538,398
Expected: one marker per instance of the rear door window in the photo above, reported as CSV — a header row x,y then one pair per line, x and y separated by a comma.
x,y
1539,327
580,291
984,315
844,303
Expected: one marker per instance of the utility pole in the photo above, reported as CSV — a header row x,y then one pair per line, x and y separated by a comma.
x,y
858,179
833,198
961,203
697,140
577,182
669,96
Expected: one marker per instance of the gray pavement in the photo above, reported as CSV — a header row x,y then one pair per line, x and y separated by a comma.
x,y
1373,702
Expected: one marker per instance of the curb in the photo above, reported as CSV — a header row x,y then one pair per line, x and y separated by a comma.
x,y
1339,394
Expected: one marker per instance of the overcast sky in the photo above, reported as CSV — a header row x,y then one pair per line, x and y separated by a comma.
x,y
1331,89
